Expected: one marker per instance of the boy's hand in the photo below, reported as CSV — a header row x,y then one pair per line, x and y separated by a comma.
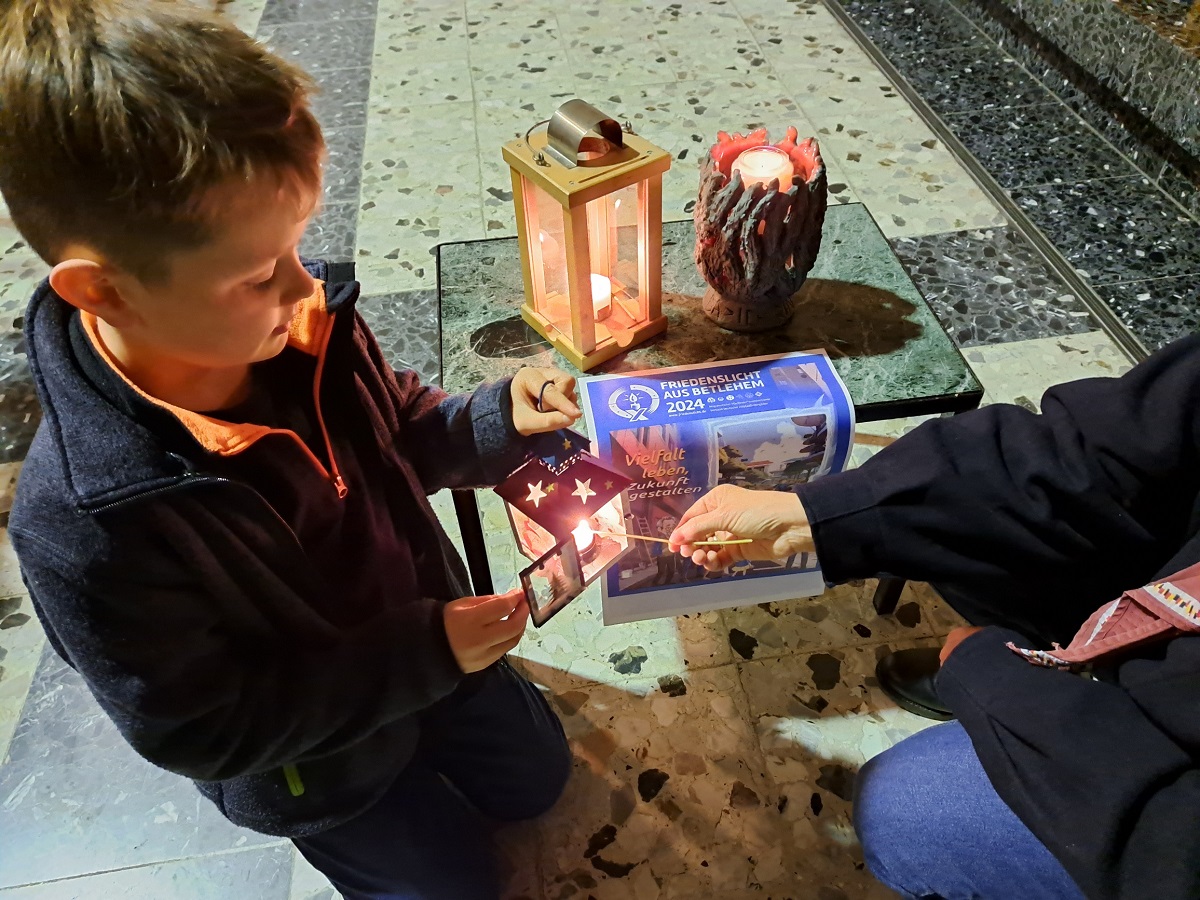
x,y
543,400
482,629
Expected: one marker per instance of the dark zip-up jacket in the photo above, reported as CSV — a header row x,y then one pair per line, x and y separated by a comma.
x,y
1036,521
281,657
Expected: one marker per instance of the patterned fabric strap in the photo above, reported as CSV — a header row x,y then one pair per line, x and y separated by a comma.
x,y
1042,657
1156,611
1176,599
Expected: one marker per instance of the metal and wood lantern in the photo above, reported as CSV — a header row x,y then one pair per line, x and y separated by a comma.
x,y
588,199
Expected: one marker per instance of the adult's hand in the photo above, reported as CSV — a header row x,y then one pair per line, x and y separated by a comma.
x,y
956,637
482,629
775,522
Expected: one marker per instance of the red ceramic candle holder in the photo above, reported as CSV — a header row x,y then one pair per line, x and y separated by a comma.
x,y
757,241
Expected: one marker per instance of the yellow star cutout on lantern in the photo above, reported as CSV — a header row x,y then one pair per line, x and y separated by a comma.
x,y
608,485
535,494
583,490
551,488
566,444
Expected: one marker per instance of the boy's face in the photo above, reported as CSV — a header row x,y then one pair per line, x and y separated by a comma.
x,y
227,304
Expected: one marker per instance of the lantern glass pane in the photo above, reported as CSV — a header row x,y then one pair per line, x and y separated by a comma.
x,y
613,250
608,544
533,540
551,242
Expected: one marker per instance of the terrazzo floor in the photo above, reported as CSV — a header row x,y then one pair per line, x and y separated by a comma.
x,y
715,754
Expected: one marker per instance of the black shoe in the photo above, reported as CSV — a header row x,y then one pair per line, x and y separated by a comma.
x,y
907,677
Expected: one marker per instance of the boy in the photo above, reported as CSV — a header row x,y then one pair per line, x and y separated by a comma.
x,y
223,521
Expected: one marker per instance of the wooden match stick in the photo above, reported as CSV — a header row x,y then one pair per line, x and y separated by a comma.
x,y
639,537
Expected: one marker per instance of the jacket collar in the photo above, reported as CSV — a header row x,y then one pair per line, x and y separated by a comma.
x,y
110,439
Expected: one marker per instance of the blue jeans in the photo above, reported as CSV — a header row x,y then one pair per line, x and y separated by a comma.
x,y
497,754
932,826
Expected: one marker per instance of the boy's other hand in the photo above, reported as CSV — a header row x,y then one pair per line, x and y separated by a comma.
x,y
543,400
482,629
775,522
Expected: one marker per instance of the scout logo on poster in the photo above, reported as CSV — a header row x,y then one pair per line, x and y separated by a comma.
x,y
769,423
636,403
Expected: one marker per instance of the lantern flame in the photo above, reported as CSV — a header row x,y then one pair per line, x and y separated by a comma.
x,y
584,536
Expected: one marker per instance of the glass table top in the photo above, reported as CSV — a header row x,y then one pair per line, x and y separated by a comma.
x,y
858,305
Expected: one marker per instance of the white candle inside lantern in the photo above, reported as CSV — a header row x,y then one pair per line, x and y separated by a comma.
x,y
762,165
585,537
601,296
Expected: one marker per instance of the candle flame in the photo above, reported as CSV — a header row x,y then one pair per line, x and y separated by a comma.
x,y
584,535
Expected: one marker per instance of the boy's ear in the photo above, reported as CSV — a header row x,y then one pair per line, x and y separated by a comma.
x,y
87,285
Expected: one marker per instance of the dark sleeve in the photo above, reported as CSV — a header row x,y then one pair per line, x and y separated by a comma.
x,y
1085,764
1087,494
209,682
460,440
451,440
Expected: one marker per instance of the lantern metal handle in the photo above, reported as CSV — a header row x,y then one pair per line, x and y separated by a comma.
x,y
574,126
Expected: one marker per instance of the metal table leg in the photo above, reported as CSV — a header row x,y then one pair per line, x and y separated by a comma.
x,y
466,508
887,595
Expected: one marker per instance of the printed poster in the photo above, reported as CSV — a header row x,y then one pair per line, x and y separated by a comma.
x,y
768,423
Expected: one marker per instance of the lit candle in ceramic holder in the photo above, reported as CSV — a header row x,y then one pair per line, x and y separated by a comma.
x,y
764,165
755,247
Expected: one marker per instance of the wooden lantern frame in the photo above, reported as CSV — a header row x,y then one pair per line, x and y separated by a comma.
x,y
535,164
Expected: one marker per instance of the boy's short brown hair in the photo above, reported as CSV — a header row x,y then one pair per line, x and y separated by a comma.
x,y
120,118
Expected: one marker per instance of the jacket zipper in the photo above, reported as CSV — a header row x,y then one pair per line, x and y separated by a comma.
x,y
338,484
332,475
295,784
184,481
191,479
